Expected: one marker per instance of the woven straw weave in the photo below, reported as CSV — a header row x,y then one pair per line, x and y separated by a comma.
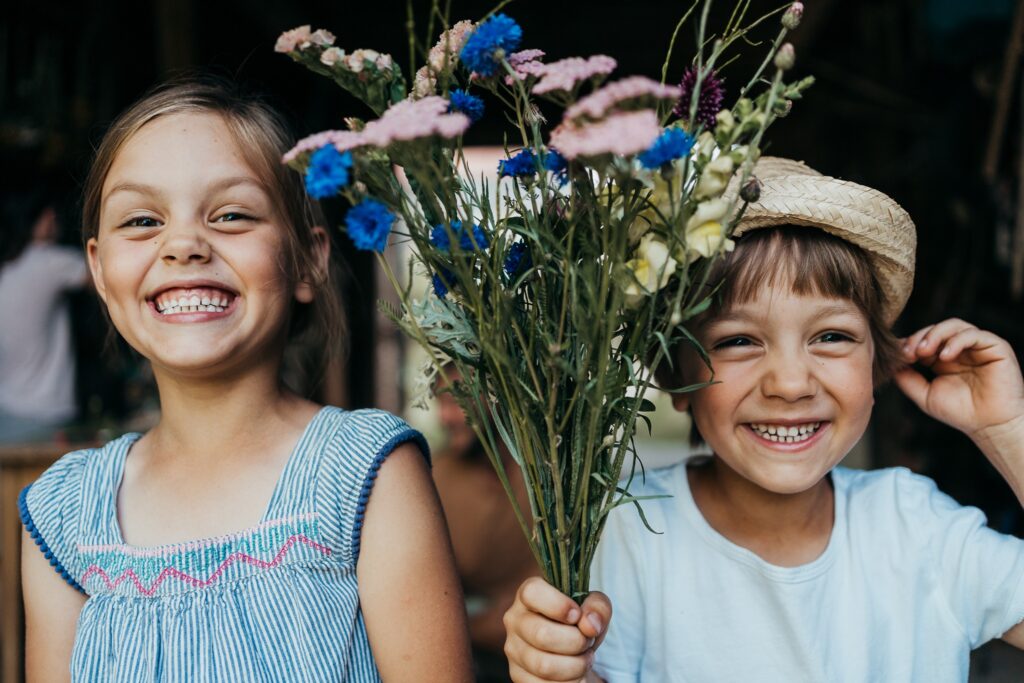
x,y
794,194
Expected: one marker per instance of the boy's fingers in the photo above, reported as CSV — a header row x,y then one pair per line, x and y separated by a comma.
x,y
938,334
597,612
550,636
526,661
911,343
539,596
913,384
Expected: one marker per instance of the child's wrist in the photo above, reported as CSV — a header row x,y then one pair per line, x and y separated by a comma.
x,y
1003,445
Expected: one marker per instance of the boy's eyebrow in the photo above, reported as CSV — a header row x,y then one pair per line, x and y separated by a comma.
x,y
741,315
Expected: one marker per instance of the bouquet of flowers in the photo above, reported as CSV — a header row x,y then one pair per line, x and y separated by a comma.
x,y
557,300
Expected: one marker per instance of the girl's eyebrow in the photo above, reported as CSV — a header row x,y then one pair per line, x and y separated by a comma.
x,y
152,190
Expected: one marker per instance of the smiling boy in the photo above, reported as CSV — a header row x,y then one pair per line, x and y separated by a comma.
x,y
774,564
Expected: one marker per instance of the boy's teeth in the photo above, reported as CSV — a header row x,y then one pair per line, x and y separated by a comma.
x,y
785,434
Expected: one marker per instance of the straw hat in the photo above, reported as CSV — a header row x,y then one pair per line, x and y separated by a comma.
x,y
792,193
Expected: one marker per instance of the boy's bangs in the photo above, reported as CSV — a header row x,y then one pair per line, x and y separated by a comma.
x,y
807,261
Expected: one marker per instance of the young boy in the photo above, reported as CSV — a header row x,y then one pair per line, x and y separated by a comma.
x,y
774,564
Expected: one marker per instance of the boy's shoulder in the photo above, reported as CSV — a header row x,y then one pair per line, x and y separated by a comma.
x,y
897,502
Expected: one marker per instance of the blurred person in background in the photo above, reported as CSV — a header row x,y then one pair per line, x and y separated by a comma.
x,y
37,366
491,554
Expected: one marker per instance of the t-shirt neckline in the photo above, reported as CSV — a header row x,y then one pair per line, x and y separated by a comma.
x,y
723,545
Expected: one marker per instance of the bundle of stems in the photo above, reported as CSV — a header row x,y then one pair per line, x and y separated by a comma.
x,y
557,300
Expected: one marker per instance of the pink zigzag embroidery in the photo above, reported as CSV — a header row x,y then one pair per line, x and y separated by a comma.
x,y
199,583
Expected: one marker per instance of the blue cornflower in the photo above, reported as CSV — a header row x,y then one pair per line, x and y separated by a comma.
x,y
470,105
441,281
369,224
328,172
522,165
672,144
557,164
475,238
499,32
517,259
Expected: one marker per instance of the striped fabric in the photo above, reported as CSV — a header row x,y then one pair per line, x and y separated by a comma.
x,y
276,602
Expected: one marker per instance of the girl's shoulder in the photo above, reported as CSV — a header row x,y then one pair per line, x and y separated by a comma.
x,y
57,509
352,447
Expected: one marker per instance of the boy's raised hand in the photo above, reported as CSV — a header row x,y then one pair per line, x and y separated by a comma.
x,y
977,388
551,638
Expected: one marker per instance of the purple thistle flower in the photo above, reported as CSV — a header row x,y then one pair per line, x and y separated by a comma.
x,y
328,172
522,165
709,101
368,224
470,105
481,51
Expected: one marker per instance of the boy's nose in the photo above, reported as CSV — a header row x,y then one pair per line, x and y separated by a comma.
x,y
184,244
789,377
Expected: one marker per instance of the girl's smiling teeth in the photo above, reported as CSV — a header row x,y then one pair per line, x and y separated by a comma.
x,y
785,434
194,300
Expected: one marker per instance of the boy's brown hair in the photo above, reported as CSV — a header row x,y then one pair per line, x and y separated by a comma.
x,y
810,262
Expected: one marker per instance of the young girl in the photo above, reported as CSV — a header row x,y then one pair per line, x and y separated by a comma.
x,y
237,540
774,564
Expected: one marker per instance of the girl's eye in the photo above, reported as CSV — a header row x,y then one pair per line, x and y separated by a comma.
x,y
834,337
141,222
232,216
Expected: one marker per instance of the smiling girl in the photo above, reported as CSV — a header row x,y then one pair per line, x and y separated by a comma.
x,y
238,539
773,563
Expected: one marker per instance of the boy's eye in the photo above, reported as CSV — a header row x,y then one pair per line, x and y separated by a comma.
x,y
834,337
733,342
141,222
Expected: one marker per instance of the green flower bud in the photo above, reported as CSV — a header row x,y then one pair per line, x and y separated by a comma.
x,y
791,19
785,57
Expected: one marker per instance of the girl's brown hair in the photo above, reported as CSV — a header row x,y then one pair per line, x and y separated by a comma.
x,y
262,137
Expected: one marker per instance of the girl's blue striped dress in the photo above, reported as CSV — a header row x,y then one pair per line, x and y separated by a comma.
x,y
277,602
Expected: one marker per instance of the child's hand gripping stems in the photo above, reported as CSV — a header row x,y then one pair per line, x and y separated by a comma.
x,y
552,638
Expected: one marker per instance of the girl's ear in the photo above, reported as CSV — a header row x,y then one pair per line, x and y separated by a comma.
x,y
96,268
681,402
305,290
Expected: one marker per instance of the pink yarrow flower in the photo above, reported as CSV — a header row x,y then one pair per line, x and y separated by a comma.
x,y
524,56
599,103
565,74
451,41
623,133
341,139
289,40
414,119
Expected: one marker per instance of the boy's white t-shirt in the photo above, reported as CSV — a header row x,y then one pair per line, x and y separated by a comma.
x,y
910,582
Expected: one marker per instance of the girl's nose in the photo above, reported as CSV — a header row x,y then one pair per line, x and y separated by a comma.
x,y
184,244
789,376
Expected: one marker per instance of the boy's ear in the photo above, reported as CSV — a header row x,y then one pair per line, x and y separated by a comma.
x,y
681,402
305,290
96,268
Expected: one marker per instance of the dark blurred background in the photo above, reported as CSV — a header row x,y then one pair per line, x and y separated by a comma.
x,y
918,98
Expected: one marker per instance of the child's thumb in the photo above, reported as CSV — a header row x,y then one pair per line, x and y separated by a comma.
x,y
913,384
597,613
